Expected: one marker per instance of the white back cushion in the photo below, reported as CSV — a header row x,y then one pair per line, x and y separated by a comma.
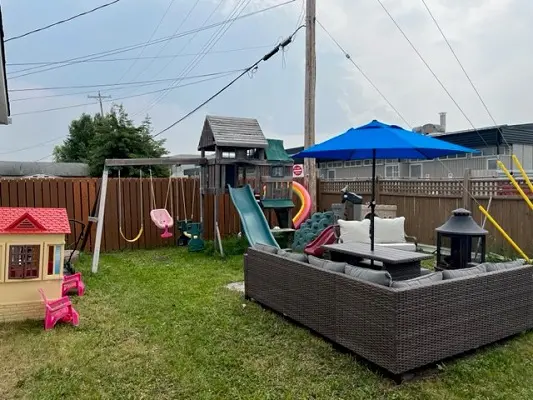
x,y
355,231
389,230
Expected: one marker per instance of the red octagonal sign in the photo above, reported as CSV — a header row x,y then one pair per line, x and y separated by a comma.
x,y
297,170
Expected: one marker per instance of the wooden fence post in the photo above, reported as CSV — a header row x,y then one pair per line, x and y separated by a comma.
x,y
467,179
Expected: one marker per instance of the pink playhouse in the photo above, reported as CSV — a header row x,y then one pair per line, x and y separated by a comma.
x,y
32,246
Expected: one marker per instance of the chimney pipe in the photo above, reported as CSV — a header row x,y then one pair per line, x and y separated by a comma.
x,y
443,121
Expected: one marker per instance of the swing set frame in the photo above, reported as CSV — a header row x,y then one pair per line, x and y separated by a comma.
x,y
118,162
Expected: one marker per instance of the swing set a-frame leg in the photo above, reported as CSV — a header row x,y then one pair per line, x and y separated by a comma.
x,y
100,221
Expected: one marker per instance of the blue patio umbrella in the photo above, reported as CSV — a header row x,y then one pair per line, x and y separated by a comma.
x,y
377,140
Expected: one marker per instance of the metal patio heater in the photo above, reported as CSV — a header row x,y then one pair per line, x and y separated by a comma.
x,y
460,234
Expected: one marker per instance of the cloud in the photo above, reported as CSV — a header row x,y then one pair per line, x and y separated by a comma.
x,y
491,38
479,32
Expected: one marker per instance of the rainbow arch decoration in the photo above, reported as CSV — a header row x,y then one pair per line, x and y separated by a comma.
x,y
305,201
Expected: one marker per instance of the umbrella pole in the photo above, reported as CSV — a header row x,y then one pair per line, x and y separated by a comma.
x,y
373,201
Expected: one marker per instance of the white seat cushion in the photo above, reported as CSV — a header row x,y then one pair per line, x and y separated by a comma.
x,y
389,230
355,231
400,246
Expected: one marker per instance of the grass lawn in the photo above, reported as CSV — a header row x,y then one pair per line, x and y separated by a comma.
x,y
160,325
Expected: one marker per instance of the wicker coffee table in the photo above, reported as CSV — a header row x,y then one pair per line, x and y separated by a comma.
x,y
400,264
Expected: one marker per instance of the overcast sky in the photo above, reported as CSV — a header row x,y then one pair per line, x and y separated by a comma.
x,y
489,36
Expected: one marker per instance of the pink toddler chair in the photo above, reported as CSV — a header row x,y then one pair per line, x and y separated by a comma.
x,y
59,310
73,282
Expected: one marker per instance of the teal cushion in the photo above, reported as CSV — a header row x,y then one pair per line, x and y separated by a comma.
x,y
423,280
326,264
370,275
459,273
501,266
293,256
266,248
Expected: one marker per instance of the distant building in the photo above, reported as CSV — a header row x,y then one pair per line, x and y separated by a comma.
x,y
494,143
28,169
433,128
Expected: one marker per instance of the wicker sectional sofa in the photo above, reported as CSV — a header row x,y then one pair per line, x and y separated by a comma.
x,y
398,329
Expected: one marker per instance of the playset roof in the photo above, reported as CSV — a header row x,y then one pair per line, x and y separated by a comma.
x,y
231,132
27,220
276,152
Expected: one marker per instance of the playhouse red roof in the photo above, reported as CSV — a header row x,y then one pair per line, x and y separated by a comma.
x,y
20,220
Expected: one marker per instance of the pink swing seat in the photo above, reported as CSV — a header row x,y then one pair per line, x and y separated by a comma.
x,y
162,219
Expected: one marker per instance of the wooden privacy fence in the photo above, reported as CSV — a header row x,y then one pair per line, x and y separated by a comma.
x,y
78,196
426,204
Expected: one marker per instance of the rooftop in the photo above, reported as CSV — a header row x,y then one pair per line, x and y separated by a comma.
x,y
231,132
25,220
29,168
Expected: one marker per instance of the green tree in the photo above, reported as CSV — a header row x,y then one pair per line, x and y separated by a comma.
x,y
77,146
93,139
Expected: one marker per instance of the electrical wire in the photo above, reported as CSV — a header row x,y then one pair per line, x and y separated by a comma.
x,y
121,85
32,146
119,98
136,59
144,57
116,89
215,37
464,71
62,21
266,57
191,38
431,70
347,55
185,19
93,56
205,49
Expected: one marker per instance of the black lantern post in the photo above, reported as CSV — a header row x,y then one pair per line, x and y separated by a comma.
x,y
460,231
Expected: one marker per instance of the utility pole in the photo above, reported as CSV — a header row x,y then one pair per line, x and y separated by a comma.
x,y
100,97
309,110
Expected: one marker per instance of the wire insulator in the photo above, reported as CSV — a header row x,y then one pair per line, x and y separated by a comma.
x,y
271,53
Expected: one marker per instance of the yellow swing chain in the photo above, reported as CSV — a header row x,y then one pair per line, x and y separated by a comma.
x,y
141,230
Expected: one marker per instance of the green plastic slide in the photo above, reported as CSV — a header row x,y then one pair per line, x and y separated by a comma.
x,y
253,221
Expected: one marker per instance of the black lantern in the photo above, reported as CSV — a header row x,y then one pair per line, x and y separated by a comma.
x,y
460,232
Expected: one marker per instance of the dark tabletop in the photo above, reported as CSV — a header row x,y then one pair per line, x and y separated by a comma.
x,y
381,253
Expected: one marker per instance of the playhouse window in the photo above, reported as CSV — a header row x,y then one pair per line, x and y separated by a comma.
x,y
23,262
277,171
54,260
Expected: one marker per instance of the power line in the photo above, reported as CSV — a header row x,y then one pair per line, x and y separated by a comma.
x,y
144,57
252,67
32,146
205,49
430,70
175,33
83,105
148,41
347,55
62,21
77,60
112,86
464,70
119,98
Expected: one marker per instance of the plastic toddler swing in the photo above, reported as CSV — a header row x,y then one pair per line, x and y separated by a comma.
x,y
160,216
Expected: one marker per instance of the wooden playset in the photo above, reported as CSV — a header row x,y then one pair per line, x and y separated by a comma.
x,y
237,153
233,151
32,247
